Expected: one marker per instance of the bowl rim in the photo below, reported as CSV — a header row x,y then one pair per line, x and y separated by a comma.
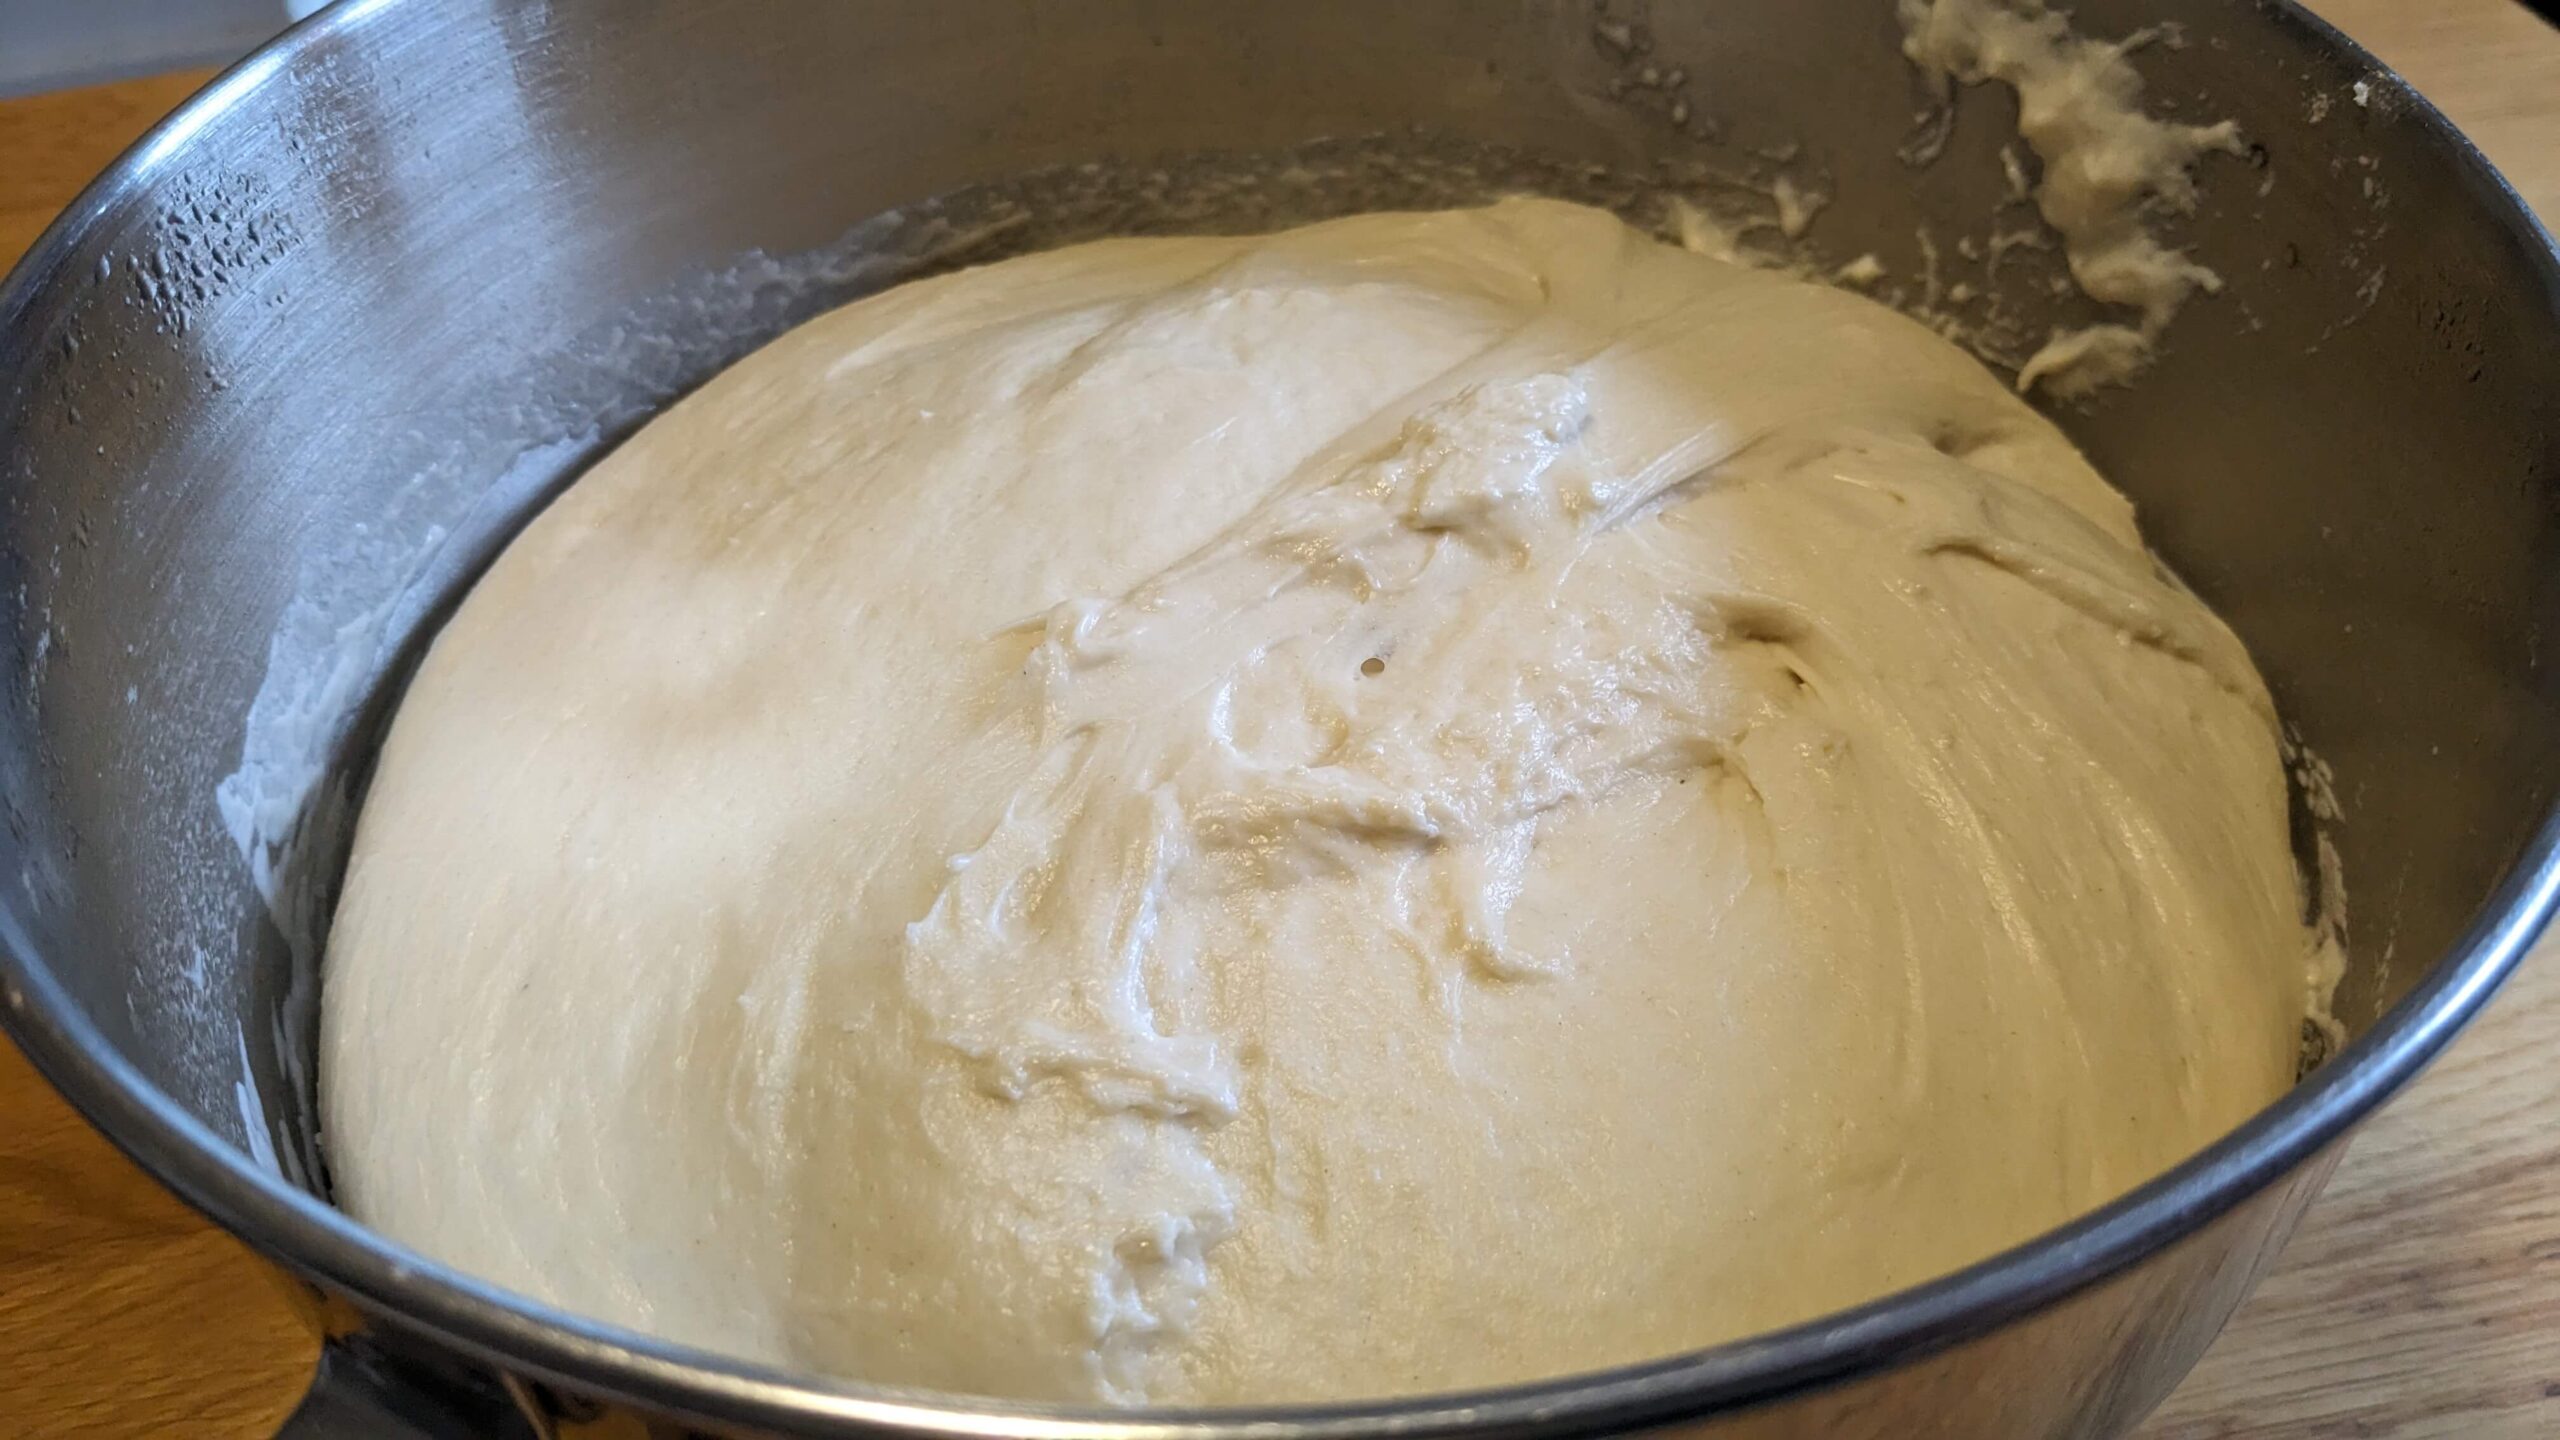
x,y
404,1289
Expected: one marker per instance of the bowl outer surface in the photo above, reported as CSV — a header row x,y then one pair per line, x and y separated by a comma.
x,y
284,379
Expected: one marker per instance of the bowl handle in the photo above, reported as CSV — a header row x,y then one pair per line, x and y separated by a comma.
x,y
359,1392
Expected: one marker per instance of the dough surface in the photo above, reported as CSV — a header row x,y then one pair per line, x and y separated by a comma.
x,y
1425,801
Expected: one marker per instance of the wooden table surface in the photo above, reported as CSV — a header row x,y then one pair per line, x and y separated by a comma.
x,y
2422,1297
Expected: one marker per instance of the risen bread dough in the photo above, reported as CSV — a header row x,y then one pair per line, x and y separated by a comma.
x,y
1425,801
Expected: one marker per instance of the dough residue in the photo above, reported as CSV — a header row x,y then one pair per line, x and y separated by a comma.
x,y
2108,167
1420,802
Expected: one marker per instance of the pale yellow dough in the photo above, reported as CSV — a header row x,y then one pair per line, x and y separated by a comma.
x,y
1421,802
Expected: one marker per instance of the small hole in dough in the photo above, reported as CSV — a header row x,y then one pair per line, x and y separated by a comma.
x,y
1957,441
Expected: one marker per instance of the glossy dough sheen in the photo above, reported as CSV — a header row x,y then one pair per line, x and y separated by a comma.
x,y
1421,802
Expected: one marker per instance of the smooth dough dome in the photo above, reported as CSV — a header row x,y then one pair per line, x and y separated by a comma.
x,y
1426,801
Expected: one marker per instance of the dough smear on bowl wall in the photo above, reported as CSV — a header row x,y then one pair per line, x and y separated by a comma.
x,y
1425,801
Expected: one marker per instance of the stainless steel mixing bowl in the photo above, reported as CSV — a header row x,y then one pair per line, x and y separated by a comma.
x,y
280,381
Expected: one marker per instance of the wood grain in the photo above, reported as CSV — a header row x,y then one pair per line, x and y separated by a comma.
x,y
50,146
121,1311
2422,1298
